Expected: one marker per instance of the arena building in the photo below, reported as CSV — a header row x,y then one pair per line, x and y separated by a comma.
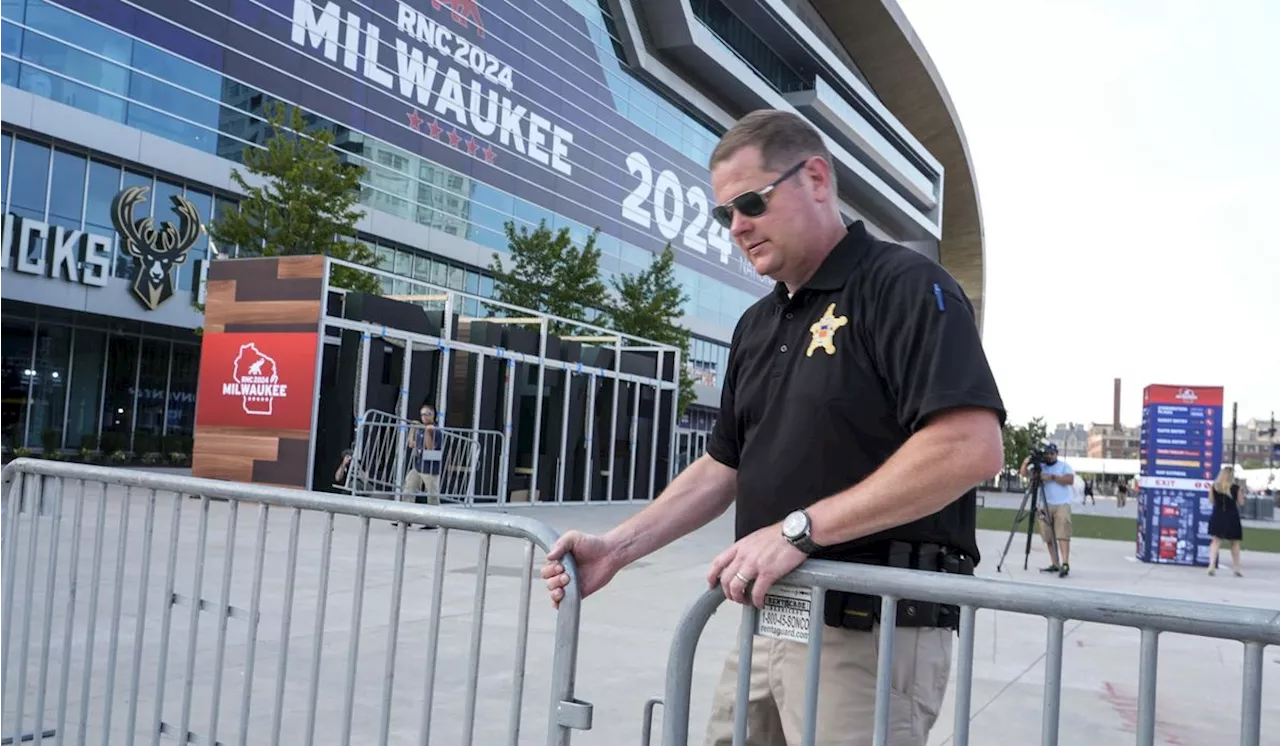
x,y
466,114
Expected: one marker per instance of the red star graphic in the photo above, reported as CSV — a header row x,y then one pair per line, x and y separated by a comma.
x,y
415,121
472,146
489,154
454,138
435,128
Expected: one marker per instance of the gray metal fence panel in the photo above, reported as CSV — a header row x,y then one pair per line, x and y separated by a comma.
x,y
1255,628
470,461
335,628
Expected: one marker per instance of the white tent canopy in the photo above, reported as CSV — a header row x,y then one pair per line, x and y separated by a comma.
x,y
1257,479
1117,466
1260,479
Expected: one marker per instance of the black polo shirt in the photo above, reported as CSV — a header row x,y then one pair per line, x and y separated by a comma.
x,y
823,388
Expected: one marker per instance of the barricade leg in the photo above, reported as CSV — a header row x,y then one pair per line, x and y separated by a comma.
x,y
1251,701
1052,683
1147,687
884,669
964,676
813,667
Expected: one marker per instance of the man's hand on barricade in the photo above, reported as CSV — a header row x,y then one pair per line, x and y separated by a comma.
x,y
597,563
756,562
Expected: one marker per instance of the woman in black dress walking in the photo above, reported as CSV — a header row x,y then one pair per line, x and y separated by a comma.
x,y
1224,524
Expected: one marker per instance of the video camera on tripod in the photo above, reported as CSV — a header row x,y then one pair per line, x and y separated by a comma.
x,y
1036,459
1033,505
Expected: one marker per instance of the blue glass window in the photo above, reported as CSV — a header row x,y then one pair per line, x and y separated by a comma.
x,y
200,251
104,183
422,268
11,37
4,169
161,202
529,215
220,206
66,196
10,73
94,66
30,180
31,176
162,97
610,247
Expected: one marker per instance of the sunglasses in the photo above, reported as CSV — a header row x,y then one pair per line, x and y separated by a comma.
x,y
753,203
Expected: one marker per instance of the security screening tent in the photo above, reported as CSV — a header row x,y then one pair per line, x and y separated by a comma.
x,y
295,371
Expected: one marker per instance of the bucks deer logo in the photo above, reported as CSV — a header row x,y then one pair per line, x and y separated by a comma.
x,y
156,252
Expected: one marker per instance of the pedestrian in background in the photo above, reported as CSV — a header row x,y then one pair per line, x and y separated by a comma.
x,y
1224,523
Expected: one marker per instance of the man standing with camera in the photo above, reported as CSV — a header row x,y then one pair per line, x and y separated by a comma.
x,y
1057,477
857,418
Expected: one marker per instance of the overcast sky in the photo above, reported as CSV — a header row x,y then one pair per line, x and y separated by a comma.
x,y
1128,164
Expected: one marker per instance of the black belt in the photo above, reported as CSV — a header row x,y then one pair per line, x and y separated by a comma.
x,y
860,611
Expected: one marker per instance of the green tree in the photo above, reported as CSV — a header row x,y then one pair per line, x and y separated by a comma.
x,y
550,274
1018,440
306,205
648,305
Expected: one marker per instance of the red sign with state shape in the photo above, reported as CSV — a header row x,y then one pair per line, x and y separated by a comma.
x,y
257,380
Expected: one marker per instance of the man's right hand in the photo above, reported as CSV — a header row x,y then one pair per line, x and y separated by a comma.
x,y
596,559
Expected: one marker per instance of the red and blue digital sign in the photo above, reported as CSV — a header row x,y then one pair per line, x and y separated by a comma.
x,y
1180,454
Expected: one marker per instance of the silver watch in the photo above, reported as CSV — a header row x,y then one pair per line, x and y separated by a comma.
x,y
797,528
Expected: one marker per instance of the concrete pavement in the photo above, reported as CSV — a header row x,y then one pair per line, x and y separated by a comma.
x,y
625,636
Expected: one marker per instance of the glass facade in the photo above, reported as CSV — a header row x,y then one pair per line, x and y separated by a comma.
x,y
60,54
73,189
79,381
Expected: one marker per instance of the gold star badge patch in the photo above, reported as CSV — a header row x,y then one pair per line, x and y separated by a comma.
x,y
824,329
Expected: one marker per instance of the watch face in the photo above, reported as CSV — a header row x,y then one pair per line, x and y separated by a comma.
x,y
795,524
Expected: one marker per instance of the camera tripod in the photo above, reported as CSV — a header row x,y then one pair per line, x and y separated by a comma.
x,y
1035,496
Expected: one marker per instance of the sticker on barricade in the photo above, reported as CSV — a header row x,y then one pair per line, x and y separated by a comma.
x,y
785,615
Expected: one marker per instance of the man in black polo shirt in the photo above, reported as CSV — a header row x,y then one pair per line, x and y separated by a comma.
x,y
858,415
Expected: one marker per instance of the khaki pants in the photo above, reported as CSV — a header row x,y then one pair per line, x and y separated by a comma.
x,y
846,689
417,484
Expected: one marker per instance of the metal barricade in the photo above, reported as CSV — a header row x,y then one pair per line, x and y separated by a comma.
x,y
1255,628
131,616
385,450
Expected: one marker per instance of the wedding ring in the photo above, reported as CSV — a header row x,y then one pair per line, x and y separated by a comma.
x,y
745,580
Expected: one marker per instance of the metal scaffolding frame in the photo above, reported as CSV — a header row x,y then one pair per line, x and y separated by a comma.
x,y
438,297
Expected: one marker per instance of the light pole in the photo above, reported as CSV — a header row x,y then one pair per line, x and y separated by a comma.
x,y
1233,434
1272,447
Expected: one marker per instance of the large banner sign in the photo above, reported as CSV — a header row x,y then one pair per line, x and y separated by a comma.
x,y
509,94
1180,454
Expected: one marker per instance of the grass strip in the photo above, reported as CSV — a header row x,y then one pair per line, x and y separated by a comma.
x,y
1118,528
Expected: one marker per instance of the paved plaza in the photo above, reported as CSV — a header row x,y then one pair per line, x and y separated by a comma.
x,y
625,636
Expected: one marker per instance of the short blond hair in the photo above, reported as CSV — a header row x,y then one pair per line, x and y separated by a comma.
x,y
784,138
